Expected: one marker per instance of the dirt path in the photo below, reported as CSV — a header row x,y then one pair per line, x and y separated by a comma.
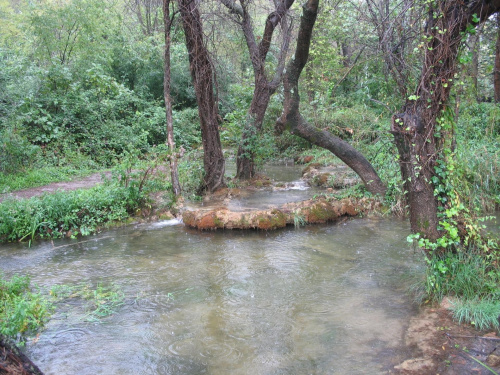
x,y
83,183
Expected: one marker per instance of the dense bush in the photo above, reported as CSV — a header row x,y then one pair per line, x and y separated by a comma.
x,y
479,120
478,155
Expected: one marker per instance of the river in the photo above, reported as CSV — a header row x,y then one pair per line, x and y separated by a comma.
x,y
325,299
317,300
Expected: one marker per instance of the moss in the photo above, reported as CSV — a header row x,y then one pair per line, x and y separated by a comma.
x,y
276,219
189,218
243,222
263,222
321,212
165,216
349,209
322,179
218,222
310,167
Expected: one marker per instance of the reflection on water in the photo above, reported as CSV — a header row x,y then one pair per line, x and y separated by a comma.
x,y
316,300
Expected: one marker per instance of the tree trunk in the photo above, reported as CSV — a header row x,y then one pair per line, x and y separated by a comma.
x,y
176,187
14,361
203,80
264,87
474,68
497,63
346,54
245,166
419,140
417,158
293,120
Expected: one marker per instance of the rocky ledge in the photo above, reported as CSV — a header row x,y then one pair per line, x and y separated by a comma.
x,y
312,211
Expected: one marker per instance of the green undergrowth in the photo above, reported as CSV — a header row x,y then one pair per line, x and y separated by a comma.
x,y
463,264
26,308
71,213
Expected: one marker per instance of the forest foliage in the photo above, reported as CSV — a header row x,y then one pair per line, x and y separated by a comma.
x,y
81,90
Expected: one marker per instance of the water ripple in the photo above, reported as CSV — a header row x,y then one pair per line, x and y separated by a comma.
x,y
153,302
70,336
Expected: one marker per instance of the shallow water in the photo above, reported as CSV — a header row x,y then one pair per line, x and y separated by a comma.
x,y
291,188
316,300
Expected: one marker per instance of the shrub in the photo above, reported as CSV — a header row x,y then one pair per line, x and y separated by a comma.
x,y
16,153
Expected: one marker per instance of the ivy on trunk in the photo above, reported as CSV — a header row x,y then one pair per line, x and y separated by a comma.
x,y
202,74
418,129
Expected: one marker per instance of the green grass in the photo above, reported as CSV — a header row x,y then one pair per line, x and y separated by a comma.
x,y
481,313
478,173
472,280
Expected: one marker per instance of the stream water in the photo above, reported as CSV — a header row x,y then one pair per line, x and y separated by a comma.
x,y
317,300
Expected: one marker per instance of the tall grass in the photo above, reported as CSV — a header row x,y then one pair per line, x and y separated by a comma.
x,y
481,313
478,155
472,280
478,173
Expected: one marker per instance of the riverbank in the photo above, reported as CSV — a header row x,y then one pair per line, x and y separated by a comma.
x,y
443,346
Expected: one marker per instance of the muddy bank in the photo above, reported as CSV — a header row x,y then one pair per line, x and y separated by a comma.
x,y
312,211
442,346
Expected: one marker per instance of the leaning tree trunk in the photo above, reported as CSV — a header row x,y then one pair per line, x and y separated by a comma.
x,y
419,140
176,187
497,63
293,120
203,80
